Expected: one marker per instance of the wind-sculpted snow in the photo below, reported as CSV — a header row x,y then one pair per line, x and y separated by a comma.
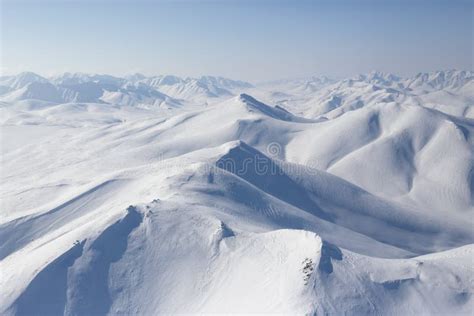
x,y
158,195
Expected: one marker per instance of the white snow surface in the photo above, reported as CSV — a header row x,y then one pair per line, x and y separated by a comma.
x,y
165,195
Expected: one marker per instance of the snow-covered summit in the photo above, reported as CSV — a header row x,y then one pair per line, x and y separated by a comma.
x,y
21,80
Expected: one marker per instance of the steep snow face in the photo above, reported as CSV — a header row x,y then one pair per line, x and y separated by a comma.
x,y
139,203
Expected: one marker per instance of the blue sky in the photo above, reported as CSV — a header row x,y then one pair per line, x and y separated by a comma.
x,y
250,40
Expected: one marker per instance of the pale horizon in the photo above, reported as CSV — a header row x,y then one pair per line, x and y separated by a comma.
x,y
229,39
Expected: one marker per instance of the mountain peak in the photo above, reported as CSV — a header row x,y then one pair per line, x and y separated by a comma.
x,y
23,79
247,98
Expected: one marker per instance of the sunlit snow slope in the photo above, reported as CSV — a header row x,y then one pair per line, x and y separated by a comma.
x,y
156,195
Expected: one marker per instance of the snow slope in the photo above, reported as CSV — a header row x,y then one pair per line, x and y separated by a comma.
x,y
116,206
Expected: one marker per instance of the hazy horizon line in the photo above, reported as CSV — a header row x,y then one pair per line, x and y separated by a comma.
x,y
331,77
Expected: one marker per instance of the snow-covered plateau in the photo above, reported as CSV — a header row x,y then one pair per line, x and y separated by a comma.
x,y
149,195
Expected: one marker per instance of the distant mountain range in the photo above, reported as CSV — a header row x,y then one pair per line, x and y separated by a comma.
x,y
135,90
321,94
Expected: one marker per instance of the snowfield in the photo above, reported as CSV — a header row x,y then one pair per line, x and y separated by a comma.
x,y
147,195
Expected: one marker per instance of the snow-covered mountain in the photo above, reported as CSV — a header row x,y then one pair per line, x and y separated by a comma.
x,y
35,90
135,90
131,94
21,80
449,91
298,87
198,90
451,79
347,197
